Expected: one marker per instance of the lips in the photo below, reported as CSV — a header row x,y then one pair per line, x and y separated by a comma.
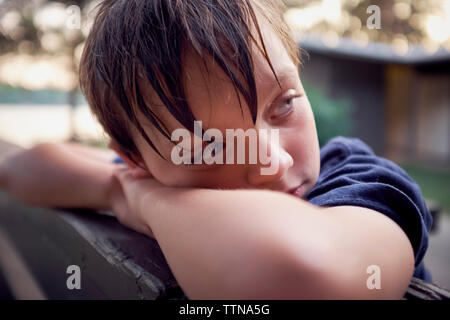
x,y
298,191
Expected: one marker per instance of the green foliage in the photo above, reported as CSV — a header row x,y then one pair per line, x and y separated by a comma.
x,y
434,182
333,116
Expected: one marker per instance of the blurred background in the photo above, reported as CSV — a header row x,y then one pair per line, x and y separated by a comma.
x,y
377,70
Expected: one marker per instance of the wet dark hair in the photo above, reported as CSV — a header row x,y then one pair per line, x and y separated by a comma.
x,y
136,40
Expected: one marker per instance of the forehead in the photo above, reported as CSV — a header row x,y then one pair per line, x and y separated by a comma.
x,y
210,92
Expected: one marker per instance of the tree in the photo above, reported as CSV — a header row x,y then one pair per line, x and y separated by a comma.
x,y
46,27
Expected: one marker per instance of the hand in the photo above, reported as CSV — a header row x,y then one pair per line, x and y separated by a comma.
x,y
129,188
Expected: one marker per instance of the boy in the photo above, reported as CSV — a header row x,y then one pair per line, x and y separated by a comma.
x,y
313,229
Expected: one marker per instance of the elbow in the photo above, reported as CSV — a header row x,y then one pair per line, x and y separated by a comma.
x,y
340,284
354,277
281,276
300,278
42,150
14,181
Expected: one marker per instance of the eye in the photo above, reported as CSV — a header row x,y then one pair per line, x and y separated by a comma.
x,y
286,106
211,148
186,150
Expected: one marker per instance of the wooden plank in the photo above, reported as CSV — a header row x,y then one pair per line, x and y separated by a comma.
x,y
421,290
115,262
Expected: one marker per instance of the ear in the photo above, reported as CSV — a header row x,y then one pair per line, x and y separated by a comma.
x,y
136,171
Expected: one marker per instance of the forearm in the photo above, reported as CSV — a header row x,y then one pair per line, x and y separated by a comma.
x,y
240,244
52,175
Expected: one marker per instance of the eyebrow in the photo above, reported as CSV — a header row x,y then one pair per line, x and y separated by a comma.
x,y
283,76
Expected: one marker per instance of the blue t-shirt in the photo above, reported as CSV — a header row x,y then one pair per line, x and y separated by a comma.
x,y
351,174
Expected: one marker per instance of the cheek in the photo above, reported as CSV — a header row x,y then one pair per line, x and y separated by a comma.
x,y
302,141
161,169
164,170
313,149
169,174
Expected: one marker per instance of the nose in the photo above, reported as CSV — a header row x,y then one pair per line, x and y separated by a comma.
x,y
279,162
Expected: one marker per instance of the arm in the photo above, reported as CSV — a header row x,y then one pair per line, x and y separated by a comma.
x,y
256,244
68,176
59,175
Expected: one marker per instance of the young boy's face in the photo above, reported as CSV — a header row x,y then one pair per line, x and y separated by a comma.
x,y
213,100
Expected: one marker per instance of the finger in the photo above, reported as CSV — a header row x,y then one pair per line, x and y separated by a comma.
x,y
121,167
123,173
140,173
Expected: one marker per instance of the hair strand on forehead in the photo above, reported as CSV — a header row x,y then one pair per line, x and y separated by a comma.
x,y
137,46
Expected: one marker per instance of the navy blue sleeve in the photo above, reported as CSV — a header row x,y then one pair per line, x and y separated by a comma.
x,y
351,174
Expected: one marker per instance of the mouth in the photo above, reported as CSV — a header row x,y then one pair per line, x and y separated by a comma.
x,y
297,191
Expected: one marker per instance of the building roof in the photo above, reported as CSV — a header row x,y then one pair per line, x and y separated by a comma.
x,y
374,51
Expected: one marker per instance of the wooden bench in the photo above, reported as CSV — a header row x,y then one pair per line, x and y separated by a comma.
x,y
37,246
